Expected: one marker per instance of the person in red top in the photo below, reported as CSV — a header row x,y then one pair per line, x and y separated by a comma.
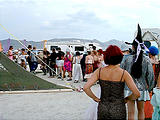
x,y
95,57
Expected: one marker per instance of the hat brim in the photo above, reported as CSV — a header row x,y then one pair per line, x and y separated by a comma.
x,y
129,43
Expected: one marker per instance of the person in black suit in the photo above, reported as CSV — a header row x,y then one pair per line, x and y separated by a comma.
x,y
83,65
52,63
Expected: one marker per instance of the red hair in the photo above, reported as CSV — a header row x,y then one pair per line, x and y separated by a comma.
x,y
113,55
100,51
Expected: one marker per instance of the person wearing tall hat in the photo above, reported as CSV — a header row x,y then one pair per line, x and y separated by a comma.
x,y
140,68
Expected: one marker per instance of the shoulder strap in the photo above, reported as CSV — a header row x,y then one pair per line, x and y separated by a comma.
x,y
99,73
122,75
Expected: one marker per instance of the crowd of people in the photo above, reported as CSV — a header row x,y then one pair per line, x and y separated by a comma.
x,y
24,57
78,66
126,79
124,76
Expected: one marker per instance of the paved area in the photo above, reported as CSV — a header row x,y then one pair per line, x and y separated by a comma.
x,y
45,106
63,82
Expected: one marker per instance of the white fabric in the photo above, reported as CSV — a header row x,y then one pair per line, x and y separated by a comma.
x,y
103,64
22,57
88,75
139,48
60,63
77,71
91,113
144,95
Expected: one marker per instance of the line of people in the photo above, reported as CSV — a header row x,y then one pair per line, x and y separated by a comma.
x,y
79,67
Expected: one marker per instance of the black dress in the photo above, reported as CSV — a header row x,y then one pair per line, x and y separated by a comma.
x,y
112,105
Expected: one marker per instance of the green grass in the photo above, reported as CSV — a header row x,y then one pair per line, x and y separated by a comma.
x,y
16,78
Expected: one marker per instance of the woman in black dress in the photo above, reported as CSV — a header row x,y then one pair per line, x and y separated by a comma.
x,y
112,80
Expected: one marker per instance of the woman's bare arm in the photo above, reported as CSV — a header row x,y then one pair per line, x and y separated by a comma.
x,y
132,86
88,85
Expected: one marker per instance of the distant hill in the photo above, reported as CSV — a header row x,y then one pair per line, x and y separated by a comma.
x,y
39,45
112,42
17,45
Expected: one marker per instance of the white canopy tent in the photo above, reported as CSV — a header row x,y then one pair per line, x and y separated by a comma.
x,y
151,34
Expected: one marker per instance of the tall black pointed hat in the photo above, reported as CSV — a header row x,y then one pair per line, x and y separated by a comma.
x,y
139,34
137,38
139,43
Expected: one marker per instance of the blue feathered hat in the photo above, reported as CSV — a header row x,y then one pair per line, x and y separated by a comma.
x,y
153,50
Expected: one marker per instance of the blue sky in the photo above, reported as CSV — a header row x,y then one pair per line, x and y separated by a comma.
x,y
89,19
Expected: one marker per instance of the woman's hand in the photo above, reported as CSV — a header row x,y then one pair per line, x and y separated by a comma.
x,y
97,100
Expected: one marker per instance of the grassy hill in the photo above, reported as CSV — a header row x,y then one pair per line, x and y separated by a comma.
x,y
14,77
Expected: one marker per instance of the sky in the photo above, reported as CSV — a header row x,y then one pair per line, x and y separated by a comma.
x,y
103,20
